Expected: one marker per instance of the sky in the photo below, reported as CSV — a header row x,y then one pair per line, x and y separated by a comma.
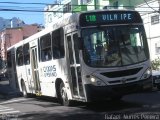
x,y
27,17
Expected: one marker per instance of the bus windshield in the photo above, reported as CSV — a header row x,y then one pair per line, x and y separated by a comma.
x,y
111,46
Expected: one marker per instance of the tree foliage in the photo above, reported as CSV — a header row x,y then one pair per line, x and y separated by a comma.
x,y
156,64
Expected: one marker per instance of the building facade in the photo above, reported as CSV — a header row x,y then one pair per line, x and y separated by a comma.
x,y
150,15
125,4
64,8
11,36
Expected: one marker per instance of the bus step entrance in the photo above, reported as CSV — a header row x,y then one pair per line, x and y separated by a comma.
x,y
38,93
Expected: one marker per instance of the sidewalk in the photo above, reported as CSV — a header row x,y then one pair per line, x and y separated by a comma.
x,y
6,91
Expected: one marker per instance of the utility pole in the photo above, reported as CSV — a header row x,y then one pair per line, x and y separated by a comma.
x,y
159,6
95,4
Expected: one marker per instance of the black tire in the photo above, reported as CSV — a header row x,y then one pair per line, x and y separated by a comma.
x,y
63,95
116,98
158,86
24,91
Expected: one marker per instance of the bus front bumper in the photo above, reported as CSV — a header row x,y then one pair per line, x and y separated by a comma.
x,y
94,93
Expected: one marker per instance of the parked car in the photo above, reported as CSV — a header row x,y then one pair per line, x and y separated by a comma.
x,y
156,78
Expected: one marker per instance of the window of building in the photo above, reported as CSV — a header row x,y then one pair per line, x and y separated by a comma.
x,y
157,48
55,13
58,44
88,1
154,19
60,13
115,5
19,56
67,8
81,2
85,1
45,50
50,18
26,54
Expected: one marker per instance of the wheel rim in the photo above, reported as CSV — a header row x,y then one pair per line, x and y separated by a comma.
x,y
24,91
63,94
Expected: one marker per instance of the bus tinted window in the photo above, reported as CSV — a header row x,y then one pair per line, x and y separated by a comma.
x,y
45,43
26,54
58,44
9,61
19,56
75,38
115,45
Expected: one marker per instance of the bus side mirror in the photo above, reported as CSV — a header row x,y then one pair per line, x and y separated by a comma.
x,y
80,43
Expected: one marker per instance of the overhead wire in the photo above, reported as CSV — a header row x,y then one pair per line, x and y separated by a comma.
x,y
41,9
25,3
150,6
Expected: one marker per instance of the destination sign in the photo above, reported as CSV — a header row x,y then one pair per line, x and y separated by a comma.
x,y
109,17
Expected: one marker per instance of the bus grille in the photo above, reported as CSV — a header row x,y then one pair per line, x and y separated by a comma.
x,y
120,81
122,73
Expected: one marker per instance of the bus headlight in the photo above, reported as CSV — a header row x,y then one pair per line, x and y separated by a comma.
x,y
146,74
97,82
93,80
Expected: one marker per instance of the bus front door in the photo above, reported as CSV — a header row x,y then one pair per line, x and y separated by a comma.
x,y
75,69
35,74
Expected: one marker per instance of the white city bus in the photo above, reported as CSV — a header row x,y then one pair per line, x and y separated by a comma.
x,y
88,56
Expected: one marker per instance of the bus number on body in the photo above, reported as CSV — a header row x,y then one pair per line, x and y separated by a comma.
x,y
49,71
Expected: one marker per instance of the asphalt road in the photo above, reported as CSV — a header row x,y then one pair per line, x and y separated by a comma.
x,y
142,106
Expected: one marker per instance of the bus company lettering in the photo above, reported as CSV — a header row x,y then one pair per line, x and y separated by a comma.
x,y
115,17
49,71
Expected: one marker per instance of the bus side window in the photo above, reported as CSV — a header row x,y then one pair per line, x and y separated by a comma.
x,y
26,54
56,52
19,56
9,59
58,44
45,43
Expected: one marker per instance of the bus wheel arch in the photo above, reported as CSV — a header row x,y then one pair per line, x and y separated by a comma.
x,y
62,93
24,90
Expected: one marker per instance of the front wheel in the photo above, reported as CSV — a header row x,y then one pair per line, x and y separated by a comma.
x,y
116,98
63,95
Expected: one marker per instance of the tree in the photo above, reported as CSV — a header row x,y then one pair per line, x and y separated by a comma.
x,y
156,64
